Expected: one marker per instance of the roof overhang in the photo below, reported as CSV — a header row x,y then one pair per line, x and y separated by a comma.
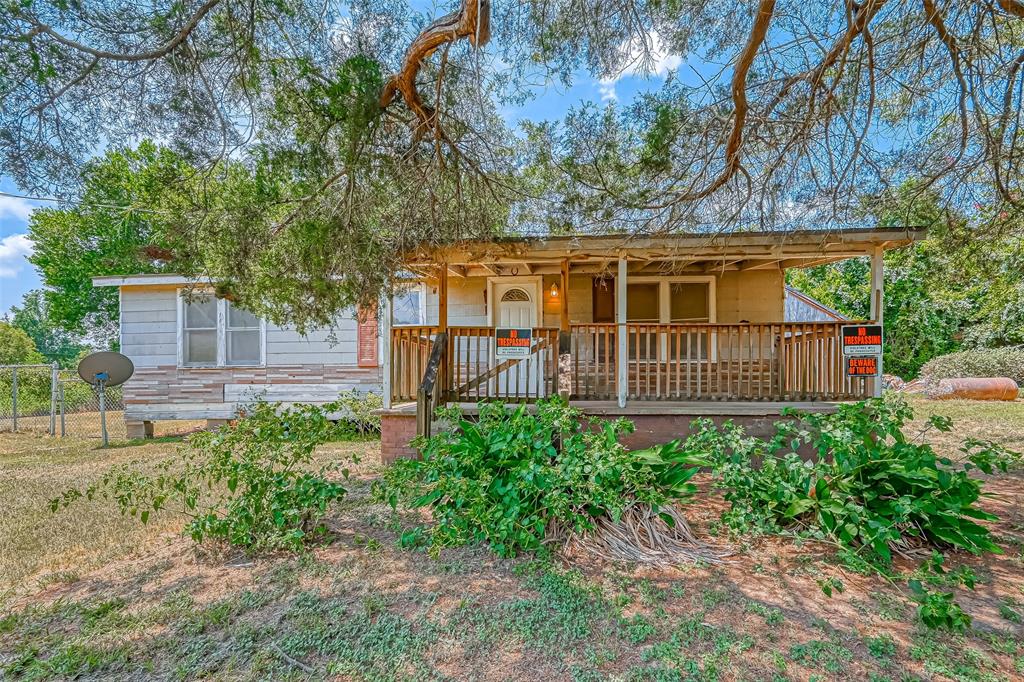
x,y
148,280
711,252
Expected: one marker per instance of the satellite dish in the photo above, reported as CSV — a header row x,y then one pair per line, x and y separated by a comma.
x,y
106,367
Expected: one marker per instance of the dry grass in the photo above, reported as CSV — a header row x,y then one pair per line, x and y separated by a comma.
x,y
361,608
39,547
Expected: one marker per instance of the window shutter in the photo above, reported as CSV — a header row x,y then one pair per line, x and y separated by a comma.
x,y
366,337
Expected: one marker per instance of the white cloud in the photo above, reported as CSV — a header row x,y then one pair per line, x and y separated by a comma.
x,y
14,249
606,86
15,207
656,60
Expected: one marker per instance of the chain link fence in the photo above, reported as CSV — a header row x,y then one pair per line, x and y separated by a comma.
x,y
45,399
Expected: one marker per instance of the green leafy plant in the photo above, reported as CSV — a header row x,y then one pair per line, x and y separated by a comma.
x,y
248,484
868,488
515,476
938,609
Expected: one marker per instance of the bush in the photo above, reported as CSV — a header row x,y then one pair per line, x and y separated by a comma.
x,y
983,362
354,409
869,490
247,484
358,409
513,477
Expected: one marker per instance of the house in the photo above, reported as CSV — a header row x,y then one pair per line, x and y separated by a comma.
x,y
799,307
198,357
660,329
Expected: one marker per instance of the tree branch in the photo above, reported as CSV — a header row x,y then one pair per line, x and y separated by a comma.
x,y
472,21
1014,7
166,48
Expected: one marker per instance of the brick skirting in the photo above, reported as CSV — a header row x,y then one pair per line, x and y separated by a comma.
x,y
398,428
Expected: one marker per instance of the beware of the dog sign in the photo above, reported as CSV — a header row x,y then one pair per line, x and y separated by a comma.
x,y
862,339
863,366
512,343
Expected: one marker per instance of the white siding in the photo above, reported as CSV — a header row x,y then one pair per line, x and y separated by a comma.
x,y
149,333
465,302
334,346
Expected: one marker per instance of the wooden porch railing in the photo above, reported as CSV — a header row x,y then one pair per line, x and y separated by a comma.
x,y
471,372
744,361
410,350
474,373
593,352
431,394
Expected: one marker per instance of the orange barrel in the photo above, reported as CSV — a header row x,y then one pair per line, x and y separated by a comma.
x,y
974,388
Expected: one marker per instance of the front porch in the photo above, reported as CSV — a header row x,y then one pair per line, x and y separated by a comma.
x,y
662,330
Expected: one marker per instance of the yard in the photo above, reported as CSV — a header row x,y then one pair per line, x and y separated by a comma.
x,y
87,593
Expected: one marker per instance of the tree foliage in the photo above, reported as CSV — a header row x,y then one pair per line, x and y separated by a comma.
x,y
54,343
17,347
123,225
252,484
961,286
331,138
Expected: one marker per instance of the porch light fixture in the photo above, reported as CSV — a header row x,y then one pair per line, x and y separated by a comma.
x,y
554,290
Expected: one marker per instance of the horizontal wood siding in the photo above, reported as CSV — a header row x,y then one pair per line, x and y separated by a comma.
x,y
337,346
324,360
149,334
214,391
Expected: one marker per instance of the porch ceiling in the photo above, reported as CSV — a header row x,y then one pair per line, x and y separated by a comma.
x,y
684,253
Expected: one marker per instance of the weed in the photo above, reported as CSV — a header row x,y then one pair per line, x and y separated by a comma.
x,y
713,597
638,629
830,656
771,615
882,647
1009,613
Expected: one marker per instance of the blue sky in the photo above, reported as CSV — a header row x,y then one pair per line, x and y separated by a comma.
x,y
18,276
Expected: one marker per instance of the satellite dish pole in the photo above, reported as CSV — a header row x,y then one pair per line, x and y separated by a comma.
x,y
104,369
101,380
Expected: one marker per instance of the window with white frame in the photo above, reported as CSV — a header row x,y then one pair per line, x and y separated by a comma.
x,y
408,306
241,337
216,333
199,337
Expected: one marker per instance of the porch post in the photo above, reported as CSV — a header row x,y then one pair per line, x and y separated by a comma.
x,y
878,301
564,335
621,361
563,323
442,297
387,320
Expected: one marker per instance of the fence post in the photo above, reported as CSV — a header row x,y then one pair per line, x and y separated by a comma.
x,y
53,398
63,430
14,399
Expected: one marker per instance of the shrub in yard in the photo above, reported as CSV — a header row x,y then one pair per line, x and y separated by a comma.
x,y
982,362
869,490
358,410
249,484
515,479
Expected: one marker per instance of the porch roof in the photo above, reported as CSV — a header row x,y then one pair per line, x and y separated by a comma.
x,y
706,252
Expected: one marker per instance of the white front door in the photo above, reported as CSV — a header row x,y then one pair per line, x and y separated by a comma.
x,y
516,306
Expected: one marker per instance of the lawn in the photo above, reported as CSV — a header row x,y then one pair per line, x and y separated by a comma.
x,y
88,594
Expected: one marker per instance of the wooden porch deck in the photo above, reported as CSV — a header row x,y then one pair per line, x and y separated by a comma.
x,y
697,408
